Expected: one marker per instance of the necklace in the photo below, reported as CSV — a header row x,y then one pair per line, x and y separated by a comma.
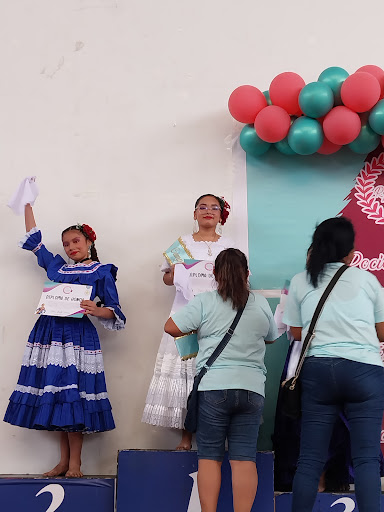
x,y
208,244
85,259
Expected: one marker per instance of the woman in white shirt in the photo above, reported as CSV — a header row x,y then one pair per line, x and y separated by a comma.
x,y
172,380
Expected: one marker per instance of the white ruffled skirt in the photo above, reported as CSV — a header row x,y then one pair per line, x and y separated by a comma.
x,y
170,386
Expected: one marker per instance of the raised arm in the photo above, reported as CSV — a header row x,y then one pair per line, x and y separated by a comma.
x,y
29,218
32,241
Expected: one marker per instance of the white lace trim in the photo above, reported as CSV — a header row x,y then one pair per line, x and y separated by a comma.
x,y
161,416
77,265
93,396
112,324
27,235
62,270
57,354
47,389
54,389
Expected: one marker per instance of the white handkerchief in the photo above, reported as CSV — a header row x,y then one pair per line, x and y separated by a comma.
x,y
181,281
26,193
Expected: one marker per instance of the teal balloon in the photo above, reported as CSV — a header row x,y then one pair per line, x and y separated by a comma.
x,y
251,142
283,147
366,141
334,77
376,118
305,136
267,97
316,99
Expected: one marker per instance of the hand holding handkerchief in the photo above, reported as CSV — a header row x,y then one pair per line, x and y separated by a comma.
x,y
25,194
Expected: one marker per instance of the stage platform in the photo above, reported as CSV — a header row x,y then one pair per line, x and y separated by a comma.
x,y
325,502
149,481
22,493
166,482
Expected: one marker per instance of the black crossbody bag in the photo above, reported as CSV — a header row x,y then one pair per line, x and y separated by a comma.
x,y
291,389
190,422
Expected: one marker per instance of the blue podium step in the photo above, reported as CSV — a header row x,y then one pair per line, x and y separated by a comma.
x,y
325,502
165,481
37,494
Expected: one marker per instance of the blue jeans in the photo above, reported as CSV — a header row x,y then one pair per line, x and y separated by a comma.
x,y
232,414
329,386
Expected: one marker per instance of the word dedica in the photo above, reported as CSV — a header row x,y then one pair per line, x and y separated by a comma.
x,y
373,264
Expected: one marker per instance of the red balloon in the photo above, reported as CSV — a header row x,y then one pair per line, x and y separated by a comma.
x,y
284,91
376,72
341,125
360,91
272,123
382,140
328,147
245,103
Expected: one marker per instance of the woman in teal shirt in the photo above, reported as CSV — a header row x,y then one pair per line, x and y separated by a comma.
x,y
343,371
231,394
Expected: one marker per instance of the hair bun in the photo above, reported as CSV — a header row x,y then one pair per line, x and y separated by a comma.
x,y
224,211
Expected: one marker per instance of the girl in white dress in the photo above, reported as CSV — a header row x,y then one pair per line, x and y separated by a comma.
x,y
172,379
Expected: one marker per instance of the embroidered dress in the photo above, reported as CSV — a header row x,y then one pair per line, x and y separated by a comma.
x,y
61,384
172,379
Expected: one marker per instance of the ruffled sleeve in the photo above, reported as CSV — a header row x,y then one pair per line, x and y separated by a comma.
x,y
107,293
32,242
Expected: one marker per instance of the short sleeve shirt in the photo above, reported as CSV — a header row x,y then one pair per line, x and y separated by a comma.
x,y
241,364
346,326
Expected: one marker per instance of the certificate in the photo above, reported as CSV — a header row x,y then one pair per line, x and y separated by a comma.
x,y
63,299
200,276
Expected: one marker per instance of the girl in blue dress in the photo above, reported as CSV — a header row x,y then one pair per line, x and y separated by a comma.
x,y
61,384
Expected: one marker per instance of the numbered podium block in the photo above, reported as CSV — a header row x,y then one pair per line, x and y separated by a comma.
x,y
56,494
165,481
324,503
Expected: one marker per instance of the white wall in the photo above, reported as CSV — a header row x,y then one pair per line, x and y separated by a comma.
x,y
120,109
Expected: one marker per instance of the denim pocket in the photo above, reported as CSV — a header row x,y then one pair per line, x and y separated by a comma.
x,y
215,397
255,399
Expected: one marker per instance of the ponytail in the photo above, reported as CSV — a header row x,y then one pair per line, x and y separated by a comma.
x,y
231,274
332,241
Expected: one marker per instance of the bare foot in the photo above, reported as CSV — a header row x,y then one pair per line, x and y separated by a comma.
x,y
183,446
59,470
186,441
74,473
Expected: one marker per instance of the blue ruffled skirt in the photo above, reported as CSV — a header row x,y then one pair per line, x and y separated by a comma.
x,y
62,384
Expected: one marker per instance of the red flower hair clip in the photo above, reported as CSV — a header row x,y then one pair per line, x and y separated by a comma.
x,y
88,232
224,211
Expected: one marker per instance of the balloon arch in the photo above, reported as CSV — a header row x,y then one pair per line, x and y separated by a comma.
x,y
320,117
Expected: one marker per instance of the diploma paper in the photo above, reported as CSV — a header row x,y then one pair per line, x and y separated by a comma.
x,y
201,278
63,299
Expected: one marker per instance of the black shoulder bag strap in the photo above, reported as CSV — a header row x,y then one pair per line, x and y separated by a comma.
x,y
310,334
218,350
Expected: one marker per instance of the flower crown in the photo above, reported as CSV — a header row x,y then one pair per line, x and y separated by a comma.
x,y
87,231
224,211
